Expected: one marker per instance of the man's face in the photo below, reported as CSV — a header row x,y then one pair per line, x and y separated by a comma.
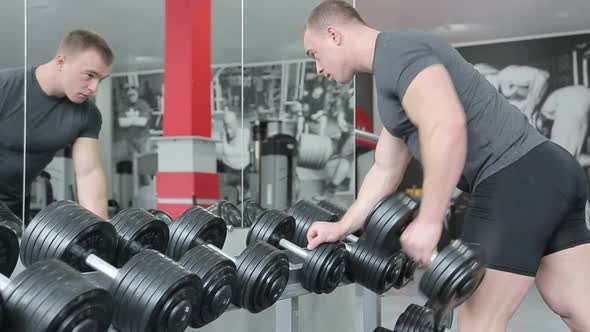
x,y
132,94
80,74
328,54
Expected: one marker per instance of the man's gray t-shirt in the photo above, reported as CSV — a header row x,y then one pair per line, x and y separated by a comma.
x,y
497,132
53,123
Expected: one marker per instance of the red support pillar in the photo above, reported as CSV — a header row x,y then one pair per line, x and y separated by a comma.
x,y
186,155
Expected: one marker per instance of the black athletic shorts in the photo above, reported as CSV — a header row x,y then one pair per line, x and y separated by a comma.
x,y
530,209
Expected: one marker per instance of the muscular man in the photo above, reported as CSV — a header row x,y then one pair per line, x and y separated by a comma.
x,y
523,86
527,194
59,115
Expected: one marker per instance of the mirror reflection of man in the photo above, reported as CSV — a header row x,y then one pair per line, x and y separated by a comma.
x,y
60,115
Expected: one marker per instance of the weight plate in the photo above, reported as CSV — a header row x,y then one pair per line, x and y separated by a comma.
x,y
323,269
251,211
9,248
333,208
154,293
305,214
389,270
270,227
227,211
194,227
426,319
409,267
51,296
162,215
218,275
352,259
370,268
263,274
138,229
383,269
463,283
362,267
381,329
61,227
457,271
405,320
9,218
437,273
388,238
386,224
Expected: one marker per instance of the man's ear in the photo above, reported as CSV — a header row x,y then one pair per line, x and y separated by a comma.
x,y
335,35
60,59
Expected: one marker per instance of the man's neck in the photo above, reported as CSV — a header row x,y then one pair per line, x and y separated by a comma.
x,y
46,80
365,49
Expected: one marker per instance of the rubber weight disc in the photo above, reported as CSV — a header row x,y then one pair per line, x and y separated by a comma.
x,y
194,227
136,226
51,296
305,214
263,274
61,226
154,293
218,275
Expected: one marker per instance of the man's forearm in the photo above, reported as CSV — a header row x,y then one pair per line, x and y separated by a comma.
x,y
92,192
443,158
377,183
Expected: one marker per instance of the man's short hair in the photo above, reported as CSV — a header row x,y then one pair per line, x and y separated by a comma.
x,y
77,41
331,12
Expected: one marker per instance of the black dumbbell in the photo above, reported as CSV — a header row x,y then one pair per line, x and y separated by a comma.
x,y
382,223
9,218
29,300
421,319
162,215
139,228
151,292
370,268
332,207
323,268
231,214
453,274
261,271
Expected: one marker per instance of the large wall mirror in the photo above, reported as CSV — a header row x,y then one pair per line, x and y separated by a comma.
x,y
12,134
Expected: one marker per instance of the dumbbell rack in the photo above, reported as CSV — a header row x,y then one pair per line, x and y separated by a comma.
x,y
286,309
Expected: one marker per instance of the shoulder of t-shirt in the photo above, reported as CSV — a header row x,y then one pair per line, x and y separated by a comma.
x,y
412,51
91,106
412,35
11,75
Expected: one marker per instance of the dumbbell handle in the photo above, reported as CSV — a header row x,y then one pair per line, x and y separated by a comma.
x,y
292,247
100,265
3,282
351,238
95,262
219,251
